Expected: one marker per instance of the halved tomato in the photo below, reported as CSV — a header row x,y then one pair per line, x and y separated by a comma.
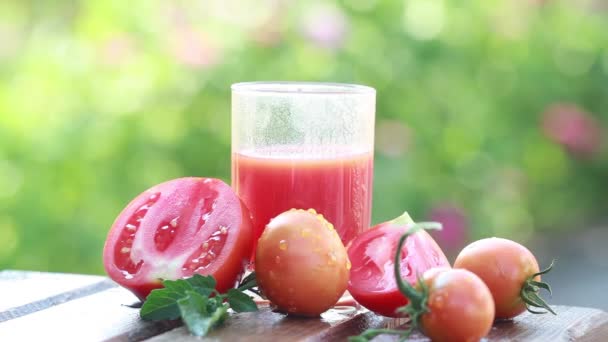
x,y
372,277
177,228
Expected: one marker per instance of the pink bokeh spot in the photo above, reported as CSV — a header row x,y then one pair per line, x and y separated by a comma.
x,y
326,27
191,48
576,130
117,50
455,225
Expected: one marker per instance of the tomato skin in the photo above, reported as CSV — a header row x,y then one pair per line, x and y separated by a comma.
x,y
301,264
504,266
460,306
175,229
373,251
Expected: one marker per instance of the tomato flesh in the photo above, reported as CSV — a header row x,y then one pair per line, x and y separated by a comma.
x,y
372,278
177,228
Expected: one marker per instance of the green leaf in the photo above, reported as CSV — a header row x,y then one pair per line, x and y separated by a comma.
x,y
241,302
161,304
179,285
204,282
248,283
199,321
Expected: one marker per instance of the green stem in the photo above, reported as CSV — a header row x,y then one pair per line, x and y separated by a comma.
x,y
417,305
530,292
408,290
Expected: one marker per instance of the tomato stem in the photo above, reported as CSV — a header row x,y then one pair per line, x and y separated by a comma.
x,y
530,292
417,298
417,305
371,333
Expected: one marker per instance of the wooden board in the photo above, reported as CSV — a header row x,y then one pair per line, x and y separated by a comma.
x,y
50,307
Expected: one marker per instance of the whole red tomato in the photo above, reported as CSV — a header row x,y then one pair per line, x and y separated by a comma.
x,y
175,229
301,264
511,272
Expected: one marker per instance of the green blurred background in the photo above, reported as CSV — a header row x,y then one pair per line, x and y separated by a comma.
x,y
491,115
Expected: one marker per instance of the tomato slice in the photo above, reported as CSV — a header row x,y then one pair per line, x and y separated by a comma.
x,y
177,228
372,277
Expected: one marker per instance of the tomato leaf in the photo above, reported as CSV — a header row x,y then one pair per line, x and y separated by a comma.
x,y
195,314
241,302
161,304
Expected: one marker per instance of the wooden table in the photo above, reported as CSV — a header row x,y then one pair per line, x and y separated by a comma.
x,y
38,306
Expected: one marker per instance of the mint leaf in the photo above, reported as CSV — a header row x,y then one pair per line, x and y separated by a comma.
x,y
241,302
199,321
179,286
161,304
205,282
191,300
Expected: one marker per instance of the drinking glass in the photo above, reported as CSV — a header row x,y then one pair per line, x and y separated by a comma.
x,y
305,146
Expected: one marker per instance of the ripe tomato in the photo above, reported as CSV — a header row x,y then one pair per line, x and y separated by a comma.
x,y
372,280
175,229
301,264
460,306
511,272
447,304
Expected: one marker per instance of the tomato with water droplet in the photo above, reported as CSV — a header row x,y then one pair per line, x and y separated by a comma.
x,y
178,228
372,253
301,264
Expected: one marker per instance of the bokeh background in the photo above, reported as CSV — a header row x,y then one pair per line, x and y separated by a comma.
x,y
491,115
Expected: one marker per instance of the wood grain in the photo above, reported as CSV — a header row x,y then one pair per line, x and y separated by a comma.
x,y
79,308
19,288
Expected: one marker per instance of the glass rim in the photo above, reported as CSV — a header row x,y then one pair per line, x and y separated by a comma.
x,y
296,87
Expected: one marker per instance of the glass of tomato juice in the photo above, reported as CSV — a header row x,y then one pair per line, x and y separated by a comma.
x,y
304,145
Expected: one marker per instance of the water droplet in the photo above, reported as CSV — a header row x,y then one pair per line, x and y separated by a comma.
x,y
332,258
125,250
282,245
207,180
348,265
223,230
130,227
173,222
153,197
277,259
165,227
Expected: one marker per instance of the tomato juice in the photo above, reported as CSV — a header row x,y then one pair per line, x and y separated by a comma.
x,y
339,186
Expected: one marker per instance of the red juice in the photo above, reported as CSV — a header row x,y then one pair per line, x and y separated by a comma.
x,y
339,187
